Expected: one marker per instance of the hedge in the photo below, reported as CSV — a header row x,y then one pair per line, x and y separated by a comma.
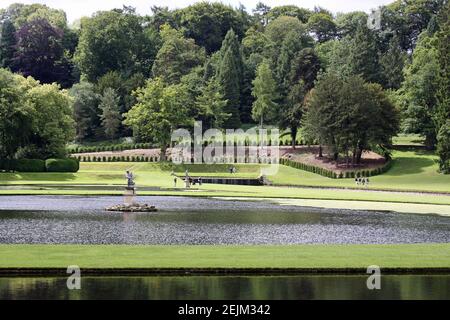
x,y
333,175
22,165
114,147
62,165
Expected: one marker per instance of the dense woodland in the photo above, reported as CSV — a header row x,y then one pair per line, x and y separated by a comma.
x,y
327,76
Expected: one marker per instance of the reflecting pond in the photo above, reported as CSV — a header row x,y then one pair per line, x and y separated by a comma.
x,y
300,287
184,220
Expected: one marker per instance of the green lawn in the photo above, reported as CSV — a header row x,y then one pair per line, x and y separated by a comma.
x,y
294,256
411,171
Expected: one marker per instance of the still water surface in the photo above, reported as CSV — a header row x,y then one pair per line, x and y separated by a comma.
x,y
183,220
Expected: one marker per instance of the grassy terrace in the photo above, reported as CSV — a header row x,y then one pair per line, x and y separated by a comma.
x,y
295,256
411,171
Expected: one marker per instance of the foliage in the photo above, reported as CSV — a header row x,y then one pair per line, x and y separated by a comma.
x,y
158,112
177,56
229,77
208,23
114,41
62,165
7,44
111,116
346,113
419,89
265,93
85,110
40,53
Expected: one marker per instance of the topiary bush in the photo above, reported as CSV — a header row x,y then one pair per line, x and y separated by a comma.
x,y
62,165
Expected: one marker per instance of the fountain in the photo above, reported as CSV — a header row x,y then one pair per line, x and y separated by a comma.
x,y
129,203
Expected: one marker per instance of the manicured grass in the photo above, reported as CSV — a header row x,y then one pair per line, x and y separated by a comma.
x,y
294,256
408,140
411,171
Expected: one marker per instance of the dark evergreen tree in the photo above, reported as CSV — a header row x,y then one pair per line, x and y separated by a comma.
x,y
363,57
230,77
392,63
7,44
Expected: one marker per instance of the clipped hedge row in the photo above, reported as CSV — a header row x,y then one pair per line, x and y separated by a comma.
x,y
115,147
22,165
333,175
116,159
122,147
37,165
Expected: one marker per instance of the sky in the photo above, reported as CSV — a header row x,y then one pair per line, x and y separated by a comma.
x,y
78,8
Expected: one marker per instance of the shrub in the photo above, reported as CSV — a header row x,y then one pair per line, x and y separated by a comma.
x,y
62,165
23,165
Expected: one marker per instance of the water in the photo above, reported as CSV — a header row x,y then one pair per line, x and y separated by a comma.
x,y
183,220
301,287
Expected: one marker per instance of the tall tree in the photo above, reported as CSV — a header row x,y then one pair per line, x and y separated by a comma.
x,y
419,89
7,44
15,115
392,63
322,26
265,93
177,56
158,113
114,41
111,116
363,56
443,91
208,23
212,105
229,77
40,52
85,110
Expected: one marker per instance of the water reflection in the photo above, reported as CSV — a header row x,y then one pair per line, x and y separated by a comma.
x,y
303,287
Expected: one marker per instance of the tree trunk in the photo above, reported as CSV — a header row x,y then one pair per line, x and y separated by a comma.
x,y
163,153
293,137
262,121
320,151
359,155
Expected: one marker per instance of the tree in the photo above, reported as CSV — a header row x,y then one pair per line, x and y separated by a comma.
x,y
111,116
392,63
442,116
229,77
15,114
40,52
301,14
322,26
208,23
51,133
212,105
7,44
298,83
443,148
158,113
348,23
278,29
265,93
177,56
363,55
346,113
419,89
114,41
85,110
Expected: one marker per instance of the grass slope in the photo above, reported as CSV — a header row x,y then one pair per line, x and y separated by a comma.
x,y
294,256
